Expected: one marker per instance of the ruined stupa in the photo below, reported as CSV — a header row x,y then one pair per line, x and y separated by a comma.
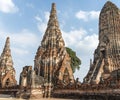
x,y
107,54
31,85
7,72
25,77
51,65
52,61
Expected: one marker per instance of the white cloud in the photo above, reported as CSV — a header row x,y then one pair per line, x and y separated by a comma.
x,y
25,38
7,6
42,22
87,15
38,18
84,44
41,27
46,16
81,38
19,51
20,42
94,14
73,36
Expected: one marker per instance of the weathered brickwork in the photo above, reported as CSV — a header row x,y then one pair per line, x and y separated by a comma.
x,y
52,61
51,65
7,72
107,54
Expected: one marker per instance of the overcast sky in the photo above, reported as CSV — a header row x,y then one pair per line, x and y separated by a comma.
x,y
25,21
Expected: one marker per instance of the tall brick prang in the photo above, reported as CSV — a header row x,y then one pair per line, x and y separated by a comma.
x,y
107,54
52,60
7,72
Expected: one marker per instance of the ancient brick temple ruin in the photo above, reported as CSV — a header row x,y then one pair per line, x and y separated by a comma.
x,y
7,72
107,54
31,85
52,74
52,62
25,77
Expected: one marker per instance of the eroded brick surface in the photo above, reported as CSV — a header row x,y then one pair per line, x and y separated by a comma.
x,y
7,72
107,54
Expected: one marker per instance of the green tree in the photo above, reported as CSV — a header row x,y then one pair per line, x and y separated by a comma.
x,y
75,61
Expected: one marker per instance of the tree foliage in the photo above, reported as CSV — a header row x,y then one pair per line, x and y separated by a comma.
x,y
75,61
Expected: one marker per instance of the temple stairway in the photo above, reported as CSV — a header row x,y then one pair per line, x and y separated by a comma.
x,y
95,77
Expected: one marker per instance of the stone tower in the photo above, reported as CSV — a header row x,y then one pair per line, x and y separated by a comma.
x,y
7,72
107,54
52,60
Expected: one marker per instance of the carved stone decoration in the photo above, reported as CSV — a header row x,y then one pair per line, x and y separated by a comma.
x,y
107,54
7,72
52,60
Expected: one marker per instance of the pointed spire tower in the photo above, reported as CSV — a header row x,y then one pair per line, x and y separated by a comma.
x,y
52,32
107,54
7,72
52,61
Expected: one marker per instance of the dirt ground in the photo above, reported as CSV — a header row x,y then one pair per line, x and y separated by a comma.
x,y
8,97
33,99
